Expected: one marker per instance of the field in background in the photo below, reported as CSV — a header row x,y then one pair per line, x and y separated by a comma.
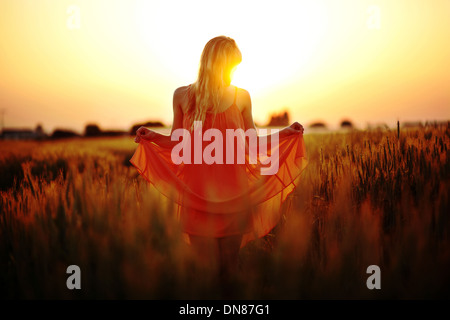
x,y
366,198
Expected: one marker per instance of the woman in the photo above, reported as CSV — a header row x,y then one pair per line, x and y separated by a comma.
x,y
222,205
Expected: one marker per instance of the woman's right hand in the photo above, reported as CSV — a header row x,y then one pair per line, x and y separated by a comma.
x,y
143,133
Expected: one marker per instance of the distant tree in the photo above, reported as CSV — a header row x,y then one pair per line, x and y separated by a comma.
x,y
92,130
346,124
39,129
318,125
63,133
279,120
113,133
39,132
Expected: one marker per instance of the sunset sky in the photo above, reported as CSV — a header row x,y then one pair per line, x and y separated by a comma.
x,y
117,62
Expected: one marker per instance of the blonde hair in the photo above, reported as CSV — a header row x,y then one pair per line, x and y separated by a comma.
x,y
219,57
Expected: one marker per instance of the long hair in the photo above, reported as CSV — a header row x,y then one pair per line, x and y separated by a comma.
x,y
219,57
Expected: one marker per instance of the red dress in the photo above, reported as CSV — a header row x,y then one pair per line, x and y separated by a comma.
x,y
219,200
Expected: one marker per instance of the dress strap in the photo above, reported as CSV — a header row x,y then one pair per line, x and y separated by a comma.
x,y
235,95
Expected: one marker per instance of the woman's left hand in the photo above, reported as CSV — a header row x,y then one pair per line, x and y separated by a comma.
x,y
297,127
294,128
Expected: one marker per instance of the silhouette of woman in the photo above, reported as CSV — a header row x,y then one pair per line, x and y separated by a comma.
x,y
225,203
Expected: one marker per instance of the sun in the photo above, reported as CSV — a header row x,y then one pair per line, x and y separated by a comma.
x,y
277,39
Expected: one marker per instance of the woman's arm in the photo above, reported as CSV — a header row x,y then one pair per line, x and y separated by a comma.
x,y
178,97
246,103
159,138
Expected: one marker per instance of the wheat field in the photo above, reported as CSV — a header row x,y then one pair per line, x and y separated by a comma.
x,y
366,198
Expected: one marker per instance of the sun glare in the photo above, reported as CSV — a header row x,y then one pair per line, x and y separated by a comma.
x,y
118,62
277,39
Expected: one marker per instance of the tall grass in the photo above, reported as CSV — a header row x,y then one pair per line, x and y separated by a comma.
x,y
366,197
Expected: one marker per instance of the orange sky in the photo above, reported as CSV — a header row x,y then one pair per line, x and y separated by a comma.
x,y
367,60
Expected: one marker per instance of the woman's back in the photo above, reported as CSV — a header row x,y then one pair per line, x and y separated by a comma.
x,y
215,176
231,95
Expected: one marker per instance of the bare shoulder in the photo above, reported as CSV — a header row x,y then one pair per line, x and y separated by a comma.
x,y
180,92
243,99
180,97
